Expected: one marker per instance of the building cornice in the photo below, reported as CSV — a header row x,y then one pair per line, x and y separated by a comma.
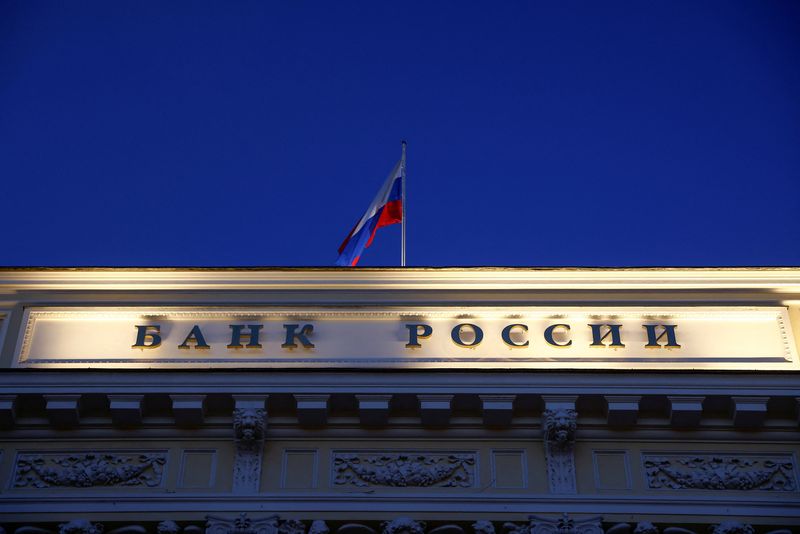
x,y
778,280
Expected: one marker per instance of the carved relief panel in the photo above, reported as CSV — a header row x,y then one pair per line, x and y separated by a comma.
x,y
142,469
420,469
720,472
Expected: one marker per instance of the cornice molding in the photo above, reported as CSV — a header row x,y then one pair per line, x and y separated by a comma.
x,y
778,280
200,504
402,382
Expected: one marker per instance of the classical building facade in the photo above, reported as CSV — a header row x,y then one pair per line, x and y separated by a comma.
x,y
414,401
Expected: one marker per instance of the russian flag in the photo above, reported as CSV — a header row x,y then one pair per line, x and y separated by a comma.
x,y
385,209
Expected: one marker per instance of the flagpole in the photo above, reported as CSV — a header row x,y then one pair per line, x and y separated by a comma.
x,y
403,203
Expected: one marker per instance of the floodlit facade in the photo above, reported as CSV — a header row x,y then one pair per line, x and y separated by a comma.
x,y
399,401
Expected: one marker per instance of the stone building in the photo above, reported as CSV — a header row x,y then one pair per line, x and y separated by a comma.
x,y
414,401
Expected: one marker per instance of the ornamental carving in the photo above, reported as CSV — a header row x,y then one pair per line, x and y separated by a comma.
x,y
713,472
558,429
89,470
413,469
645,527
80,526
292,526
241,525
403,525
563,525
249,426
733,527
168,527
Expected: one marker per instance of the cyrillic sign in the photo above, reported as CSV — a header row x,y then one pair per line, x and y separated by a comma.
x,y
478,338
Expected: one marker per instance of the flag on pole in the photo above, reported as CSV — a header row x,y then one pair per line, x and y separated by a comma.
x,y
385,209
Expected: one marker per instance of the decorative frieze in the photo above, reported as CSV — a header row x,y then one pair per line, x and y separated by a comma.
x,y
404,469
721,472
243,524
85,470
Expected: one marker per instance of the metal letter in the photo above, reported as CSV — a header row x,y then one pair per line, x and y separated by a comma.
x,y
196,337
507,335
142,335
414,334
455,334
548,335
653,340
252,336
613,329
291,335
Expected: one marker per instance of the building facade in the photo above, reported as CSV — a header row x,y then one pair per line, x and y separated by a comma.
x,y
415,401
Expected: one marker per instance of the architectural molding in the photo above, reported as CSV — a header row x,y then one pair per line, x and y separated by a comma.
x,y
769,279
243,524
201,382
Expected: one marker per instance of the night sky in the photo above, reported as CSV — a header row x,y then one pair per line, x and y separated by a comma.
x,y
539,133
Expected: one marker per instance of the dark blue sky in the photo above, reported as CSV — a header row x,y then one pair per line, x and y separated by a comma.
x,y
540,134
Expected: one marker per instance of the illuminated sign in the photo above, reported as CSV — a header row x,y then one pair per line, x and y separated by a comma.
x,y
477,338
